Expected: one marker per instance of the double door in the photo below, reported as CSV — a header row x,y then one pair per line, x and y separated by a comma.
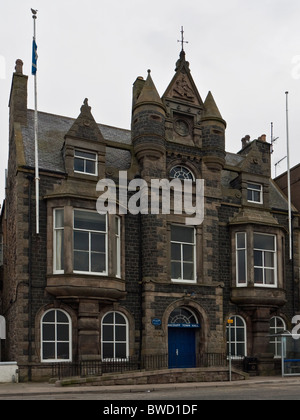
x,y
182,347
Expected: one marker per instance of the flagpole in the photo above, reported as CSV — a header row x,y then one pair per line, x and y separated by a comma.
x,y
37,176
289,177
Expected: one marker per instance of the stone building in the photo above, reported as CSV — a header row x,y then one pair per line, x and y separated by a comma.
x,y
282,182
92,286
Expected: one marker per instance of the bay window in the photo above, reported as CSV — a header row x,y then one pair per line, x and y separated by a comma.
x,y
256,259
85,242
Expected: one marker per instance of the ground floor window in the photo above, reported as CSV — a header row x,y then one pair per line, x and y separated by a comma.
x,y
277,326
56,336
237,337
114,336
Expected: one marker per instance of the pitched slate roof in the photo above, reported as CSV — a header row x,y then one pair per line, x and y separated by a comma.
x,y
51,132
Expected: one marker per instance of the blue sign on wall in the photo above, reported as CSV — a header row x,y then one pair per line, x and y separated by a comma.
x,y
156,322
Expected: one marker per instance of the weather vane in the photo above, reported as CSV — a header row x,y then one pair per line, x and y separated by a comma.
x,y
182,41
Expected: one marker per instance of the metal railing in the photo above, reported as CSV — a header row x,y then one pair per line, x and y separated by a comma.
x,y
133,363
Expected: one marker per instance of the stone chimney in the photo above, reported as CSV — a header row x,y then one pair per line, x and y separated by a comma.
x,y
18,95
245,141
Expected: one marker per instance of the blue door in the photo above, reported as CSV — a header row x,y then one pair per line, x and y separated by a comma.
x,y
182,347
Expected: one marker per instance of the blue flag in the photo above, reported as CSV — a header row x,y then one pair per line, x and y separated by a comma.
x,y
34,58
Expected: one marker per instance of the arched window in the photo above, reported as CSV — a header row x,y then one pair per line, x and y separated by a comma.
x,y
182,316
114,336
277,326
181,172
237,337
56,343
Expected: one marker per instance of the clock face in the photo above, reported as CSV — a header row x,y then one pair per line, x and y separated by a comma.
x,y
181,127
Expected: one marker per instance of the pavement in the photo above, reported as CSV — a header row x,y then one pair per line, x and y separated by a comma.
x,y
47,389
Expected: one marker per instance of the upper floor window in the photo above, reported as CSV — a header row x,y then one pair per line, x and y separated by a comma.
x,y
265,260
255,193
58,249
181,172
56,336
183,254
117,246
241,258
84,241
1,249
85,162
261,259
90,242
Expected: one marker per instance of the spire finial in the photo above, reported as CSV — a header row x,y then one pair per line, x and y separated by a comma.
x,y
182,41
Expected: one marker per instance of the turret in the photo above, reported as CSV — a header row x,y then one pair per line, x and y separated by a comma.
x,y
148,126
213,135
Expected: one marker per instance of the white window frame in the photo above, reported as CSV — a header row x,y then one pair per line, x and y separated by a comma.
x,y
238,251
85,160
276,341
56,341
1,249
181,243
118,238
264,267
104,273
187,174
55,233
259,189
234,342
114,341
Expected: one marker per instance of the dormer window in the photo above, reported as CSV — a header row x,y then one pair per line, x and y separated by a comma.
x,y
85,162
255,193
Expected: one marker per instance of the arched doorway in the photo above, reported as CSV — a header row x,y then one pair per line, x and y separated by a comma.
x,y
182,328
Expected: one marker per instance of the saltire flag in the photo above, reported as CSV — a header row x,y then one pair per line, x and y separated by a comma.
x,y
34,58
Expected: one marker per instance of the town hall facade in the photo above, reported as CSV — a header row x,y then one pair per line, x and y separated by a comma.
x,y
93,286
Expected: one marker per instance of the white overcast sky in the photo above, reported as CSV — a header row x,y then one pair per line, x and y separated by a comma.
x,y
246,52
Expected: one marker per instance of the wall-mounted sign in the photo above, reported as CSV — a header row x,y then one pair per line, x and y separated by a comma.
x,y
156,322
184,325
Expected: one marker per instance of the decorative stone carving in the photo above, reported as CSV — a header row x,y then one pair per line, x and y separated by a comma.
x,y
183,90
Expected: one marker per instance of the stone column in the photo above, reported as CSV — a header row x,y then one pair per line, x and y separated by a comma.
x,y
261,340
88,330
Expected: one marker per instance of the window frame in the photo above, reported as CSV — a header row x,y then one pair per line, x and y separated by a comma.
x,y
56,341
235,342
85,160
191,176
104,273
114,341
276,341
238,252
55,230
251,259
182,244
254,190
117,245
264,267
1,249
